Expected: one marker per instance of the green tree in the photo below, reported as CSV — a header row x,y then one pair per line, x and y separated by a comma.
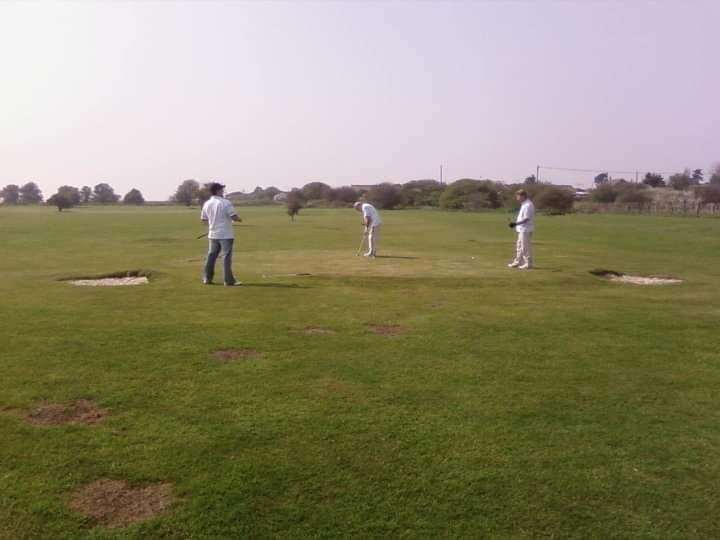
x,y
420,193
104,194
30,194
134,197
344,194
554,199
385,196
654,180
680,181
469,194
203,194
10,194
71,193
62,200
602,178
604,193
294,203
86,194
697,177
315,191
186,192
530,180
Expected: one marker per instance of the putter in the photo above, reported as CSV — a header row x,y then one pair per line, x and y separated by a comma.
x,y
362,243
201,236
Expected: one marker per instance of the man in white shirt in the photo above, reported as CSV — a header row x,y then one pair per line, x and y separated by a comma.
x,y
524,225
372,222
219,214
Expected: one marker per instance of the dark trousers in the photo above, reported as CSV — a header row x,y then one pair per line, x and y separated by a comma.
x,y
216,247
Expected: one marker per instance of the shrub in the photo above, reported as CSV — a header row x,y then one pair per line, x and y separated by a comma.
x,y
422,192
385,196
554,199
469,194
604,193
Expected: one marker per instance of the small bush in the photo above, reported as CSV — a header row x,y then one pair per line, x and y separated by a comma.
x,y
554,199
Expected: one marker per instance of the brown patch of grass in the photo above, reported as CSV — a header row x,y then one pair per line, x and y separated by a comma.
x,y
82,411
112,503
231,355
317,330
387,329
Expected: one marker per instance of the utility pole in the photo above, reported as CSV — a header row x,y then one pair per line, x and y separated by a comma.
x,y
537,174
441,173
636,177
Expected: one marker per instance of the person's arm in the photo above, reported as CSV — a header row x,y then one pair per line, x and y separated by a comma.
x,y
521,219
232,213
204,216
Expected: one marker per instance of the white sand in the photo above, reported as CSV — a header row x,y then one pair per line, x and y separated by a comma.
x,y
640,280
111,282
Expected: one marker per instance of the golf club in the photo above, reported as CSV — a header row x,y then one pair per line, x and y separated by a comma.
x,y
362,243
201,236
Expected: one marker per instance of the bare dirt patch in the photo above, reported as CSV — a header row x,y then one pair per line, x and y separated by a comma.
x,y
111,282
82,411
635,280
112,503
317,331
232,355
387,329
112,279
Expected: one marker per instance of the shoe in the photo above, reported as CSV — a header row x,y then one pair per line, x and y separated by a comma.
x,y
236,284
367,254
513,265
524,267
207,282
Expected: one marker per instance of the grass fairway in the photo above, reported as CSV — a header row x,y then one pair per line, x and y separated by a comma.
x,y
542,403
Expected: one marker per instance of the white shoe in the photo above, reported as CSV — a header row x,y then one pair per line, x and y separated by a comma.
x,y
524,267
513,265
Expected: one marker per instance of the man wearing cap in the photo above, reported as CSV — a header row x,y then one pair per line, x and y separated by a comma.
x,y
219,214
372,222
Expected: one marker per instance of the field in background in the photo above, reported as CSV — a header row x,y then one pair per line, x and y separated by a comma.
x,y
511,403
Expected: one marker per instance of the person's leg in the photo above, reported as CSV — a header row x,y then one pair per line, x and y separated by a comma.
x,y
524,256
374,239
517,261
227,248
529,250
213,252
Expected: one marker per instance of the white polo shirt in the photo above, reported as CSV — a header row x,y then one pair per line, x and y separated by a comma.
x,y
527,211
218,212
369,211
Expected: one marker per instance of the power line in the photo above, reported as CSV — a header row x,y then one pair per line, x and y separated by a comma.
x,y
568,169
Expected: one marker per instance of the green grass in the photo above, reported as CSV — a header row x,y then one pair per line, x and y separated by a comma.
x,y
542,403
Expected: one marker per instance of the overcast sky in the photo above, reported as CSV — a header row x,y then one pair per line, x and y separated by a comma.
x,y
146,94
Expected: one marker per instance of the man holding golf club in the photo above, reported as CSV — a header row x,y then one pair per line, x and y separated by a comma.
x,y
524,225
219,214
371,223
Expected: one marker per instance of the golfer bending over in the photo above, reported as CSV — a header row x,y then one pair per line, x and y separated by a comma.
x,y
219,214
372,222
524,225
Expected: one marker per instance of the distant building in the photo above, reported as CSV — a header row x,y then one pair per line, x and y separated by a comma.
x,y
280,197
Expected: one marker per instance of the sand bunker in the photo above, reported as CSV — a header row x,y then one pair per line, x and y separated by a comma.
x,y
387,329
78,412
112,503
111,282
230,355
635,280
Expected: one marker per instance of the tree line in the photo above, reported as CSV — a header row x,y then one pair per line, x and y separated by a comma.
x,y
68,196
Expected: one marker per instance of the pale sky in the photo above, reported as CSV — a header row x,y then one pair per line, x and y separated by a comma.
x,y
147,94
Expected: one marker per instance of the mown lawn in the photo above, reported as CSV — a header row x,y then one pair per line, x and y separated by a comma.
x,y
541,403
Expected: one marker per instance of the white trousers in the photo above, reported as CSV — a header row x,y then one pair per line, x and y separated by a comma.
x,y
523,251
373,240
